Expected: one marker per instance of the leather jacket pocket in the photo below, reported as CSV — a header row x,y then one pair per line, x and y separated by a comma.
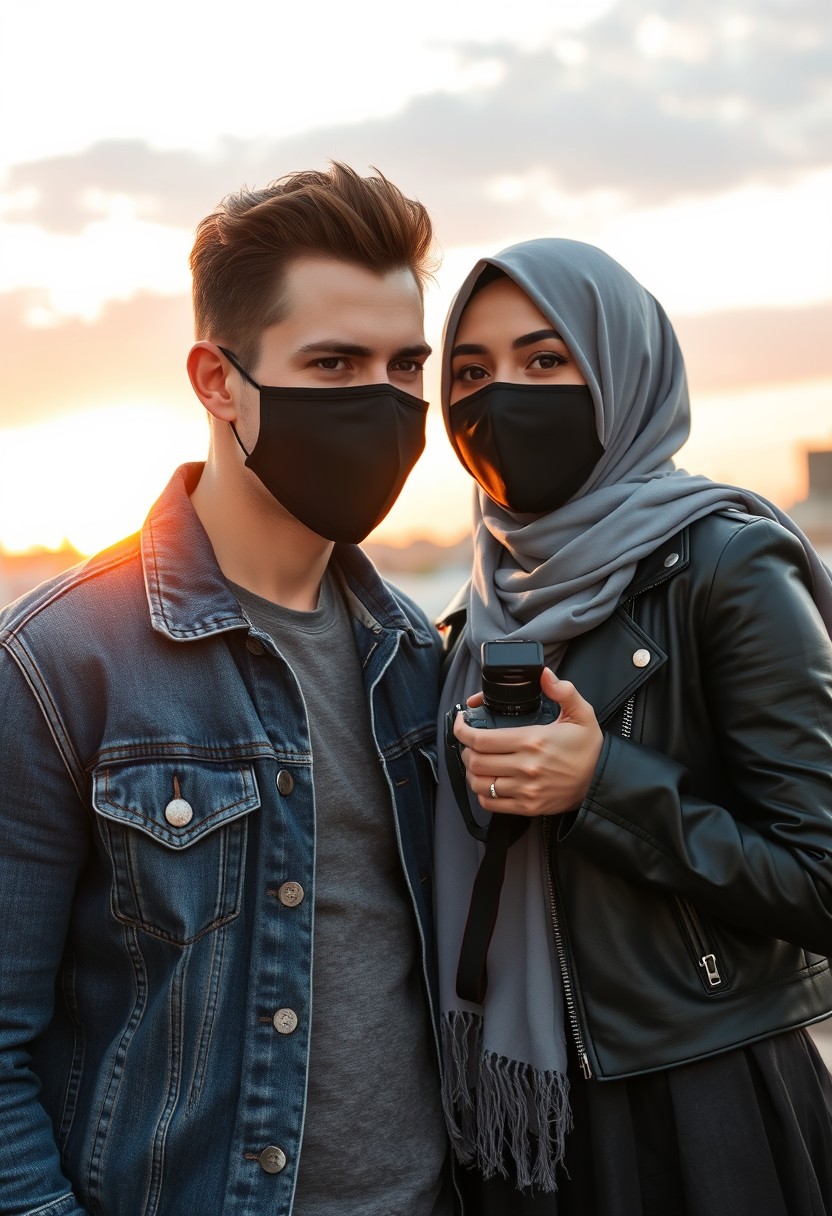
x,y
176,832
700,940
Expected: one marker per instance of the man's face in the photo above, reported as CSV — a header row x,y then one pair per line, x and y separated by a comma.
x,y
345,326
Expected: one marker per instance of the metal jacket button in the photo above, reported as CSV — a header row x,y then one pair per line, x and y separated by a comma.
x,y
285,1021
254,645
641,658
285,782
671,559
272,1159
178,812
290,894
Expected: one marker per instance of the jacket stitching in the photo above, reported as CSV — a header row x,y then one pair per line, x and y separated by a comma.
x,y
246,798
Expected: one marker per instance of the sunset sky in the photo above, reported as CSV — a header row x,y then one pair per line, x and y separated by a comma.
x,y
692,140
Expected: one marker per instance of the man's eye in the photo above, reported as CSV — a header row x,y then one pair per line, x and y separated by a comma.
x,y
334,363
408,366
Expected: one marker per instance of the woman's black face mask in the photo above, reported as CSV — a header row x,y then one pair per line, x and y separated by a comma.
x,y
336,458
530,446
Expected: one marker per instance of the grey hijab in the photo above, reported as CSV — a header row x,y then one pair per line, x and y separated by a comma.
x,y
552,578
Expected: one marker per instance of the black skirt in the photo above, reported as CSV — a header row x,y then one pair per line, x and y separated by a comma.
x,y
747,1133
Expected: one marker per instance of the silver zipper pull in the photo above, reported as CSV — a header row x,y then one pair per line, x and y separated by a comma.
x,y
708,961
586,1067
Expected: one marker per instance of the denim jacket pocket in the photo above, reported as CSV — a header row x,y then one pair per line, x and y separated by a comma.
x,y
176,831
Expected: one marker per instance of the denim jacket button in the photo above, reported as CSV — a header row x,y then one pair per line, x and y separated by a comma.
x,y
285,782
254,645
290,894
178,812
272,1159
285,1021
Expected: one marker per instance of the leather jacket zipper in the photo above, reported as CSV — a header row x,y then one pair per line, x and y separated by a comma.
x,y
557,934
704,955
566,978
627,720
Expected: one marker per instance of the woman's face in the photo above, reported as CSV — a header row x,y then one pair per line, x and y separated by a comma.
x,y
502,336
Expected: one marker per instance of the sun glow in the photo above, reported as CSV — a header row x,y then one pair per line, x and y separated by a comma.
x,y
90,478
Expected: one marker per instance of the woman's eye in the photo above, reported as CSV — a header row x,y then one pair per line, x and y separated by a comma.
x,y
546,360
470,374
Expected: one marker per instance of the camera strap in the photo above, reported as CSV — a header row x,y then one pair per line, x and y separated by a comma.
x,y
459,784
498,836
472,971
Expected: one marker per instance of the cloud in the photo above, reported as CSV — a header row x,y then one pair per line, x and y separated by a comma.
x,y
652,108
756,347
134,352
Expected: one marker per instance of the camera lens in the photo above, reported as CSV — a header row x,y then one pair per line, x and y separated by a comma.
x,y
511,696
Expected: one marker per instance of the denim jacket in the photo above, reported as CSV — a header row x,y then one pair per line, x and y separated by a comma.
x,y
157,874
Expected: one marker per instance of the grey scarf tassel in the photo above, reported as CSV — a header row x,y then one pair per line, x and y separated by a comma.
x,y
487,1100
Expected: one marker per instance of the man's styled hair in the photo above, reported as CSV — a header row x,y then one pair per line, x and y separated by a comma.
x,y
243,248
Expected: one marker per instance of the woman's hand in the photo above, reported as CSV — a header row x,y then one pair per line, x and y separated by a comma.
x,y
534,770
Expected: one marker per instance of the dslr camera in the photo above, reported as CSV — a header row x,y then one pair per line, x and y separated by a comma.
x,y
511,671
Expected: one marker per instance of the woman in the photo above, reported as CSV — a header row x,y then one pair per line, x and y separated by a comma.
x,y
664,922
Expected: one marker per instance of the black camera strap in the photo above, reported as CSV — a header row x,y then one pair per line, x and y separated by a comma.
x,y
459,784
472,971
498,836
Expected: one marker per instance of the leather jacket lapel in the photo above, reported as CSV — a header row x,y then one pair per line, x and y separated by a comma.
x,y
610,662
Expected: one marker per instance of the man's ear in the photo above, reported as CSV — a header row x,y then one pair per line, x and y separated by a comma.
x,y
208,371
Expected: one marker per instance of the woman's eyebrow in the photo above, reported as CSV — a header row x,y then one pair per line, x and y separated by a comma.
x,y
539,335
474,348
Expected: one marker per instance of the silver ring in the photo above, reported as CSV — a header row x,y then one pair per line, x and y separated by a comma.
x,y
493,790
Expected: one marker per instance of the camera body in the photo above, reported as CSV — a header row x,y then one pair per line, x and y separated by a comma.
x,y
511,671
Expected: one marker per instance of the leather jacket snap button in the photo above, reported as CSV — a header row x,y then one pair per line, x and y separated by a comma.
x,y
641,658
671,559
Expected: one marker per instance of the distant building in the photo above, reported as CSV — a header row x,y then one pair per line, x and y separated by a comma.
x,y
814,513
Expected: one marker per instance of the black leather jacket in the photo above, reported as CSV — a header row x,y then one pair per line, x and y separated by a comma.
x,y
694,883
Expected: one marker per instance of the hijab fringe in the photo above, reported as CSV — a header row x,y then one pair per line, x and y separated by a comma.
x,y
488,1100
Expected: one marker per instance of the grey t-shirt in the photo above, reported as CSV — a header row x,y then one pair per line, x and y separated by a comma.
x,y
374,1139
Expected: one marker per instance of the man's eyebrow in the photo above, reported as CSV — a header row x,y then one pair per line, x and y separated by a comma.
x,y
336,346
539,335
413,352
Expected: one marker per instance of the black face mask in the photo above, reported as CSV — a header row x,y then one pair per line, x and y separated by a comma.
x,y
336,458
530,446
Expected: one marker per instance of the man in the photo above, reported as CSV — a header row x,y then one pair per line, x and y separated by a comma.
x,y
216,762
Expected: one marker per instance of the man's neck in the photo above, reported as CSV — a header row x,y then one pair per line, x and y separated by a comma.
x,y
257,544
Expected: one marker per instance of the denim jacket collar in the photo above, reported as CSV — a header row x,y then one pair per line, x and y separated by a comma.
x,y
189,597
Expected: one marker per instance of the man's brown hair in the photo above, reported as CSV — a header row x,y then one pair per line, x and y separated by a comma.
x,y
243,249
